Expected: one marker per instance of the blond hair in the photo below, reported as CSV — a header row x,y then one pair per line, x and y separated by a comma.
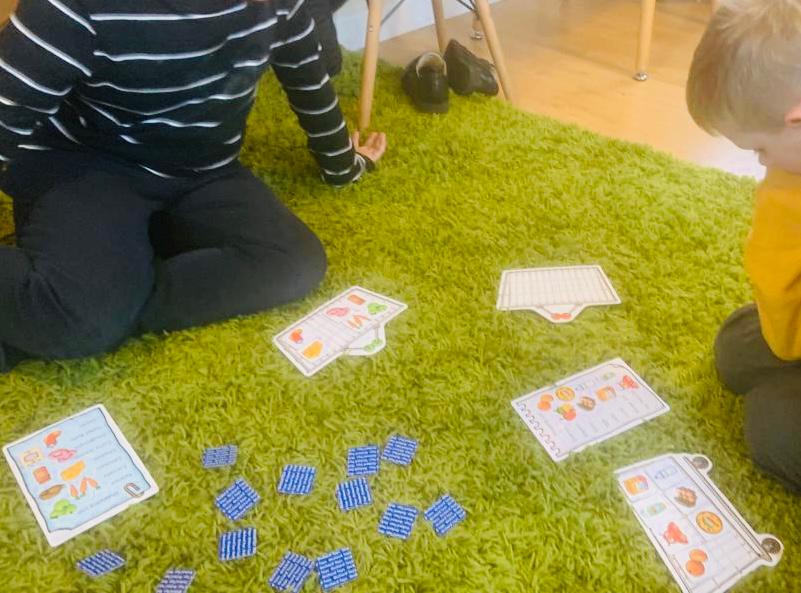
x,y
746,71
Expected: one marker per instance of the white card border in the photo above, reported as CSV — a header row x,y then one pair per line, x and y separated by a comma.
x,y
538,308
56,538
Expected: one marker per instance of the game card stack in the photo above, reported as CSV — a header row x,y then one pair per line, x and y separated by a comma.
x,y
558,294
351,324
588,408
701,537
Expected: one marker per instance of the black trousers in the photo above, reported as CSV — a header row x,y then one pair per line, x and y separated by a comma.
x,y
772,390
106,250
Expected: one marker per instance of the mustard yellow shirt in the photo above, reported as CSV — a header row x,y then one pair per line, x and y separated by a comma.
x,y
773,261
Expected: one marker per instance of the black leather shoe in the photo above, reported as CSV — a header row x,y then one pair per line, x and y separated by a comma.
x,y
425,81
467,73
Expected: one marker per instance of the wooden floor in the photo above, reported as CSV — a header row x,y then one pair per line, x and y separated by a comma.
x,y
574,60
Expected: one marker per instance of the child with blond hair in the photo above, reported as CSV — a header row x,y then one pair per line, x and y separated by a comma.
x,y
745,84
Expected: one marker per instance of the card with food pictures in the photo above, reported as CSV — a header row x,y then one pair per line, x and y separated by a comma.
x,y
699,534
351,323
558,294
77,473
588,408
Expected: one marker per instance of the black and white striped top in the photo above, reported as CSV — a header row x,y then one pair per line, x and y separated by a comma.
x,y
166,84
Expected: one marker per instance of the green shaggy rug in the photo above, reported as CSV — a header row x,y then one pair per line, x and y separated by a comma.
x,y
458,198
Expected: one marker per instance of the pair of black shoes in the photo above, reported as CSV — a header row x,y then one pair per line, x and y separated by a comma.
x,y
427,77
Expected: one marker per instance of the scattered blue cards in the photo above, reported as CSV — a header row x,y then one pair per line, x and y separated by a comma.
x,y
363,461
297,479
237,544
236,500
291,573
398,520
353,494
220,456
101,563
400,450
445,514
176,580
336,568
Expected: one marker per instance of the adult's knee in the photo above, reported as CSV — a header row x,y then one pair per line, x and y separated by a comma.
x,y
772,421
290,271
310,264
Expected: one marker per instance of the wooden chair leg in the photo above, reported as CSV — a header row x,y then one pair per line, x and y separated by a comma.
x,y
439,23
370,62
644,45
484,14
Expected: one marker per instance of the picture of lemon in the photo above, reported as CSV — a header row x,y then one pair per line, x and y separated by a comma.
x,y
73,471
313,350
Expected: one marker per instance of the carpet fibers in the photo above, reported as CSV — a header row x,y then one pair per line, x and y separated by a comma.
x,y
458,199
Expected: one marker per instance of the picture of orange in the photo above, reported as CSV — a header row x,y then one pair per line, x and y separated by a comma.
x,y
695,568
698,555
605,393
695,565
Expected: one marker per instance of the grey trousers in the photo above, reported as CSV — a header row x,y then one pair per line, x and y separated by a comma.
x,y
772,390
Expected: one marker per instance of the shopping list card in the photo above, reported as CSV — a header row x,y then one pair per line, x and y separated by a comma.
x,y
351,323
77,473
705,543
558,294
588,408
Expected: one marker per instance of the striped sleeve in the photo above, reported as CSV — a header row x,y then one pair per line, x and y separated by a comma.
x,y
298,64
45,48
